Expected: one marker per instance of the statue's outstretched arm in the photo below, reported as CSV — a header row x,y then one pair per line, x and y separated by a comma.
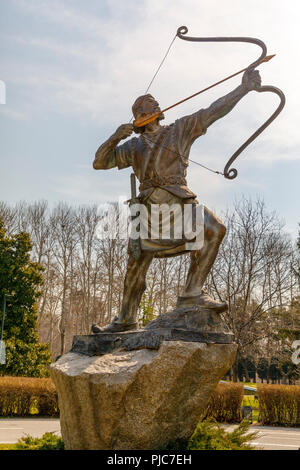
x,y
222,106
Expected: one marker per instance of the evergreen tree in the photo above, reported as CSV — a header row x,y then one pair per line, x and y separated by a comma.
x,y
147,311
263,369
21,281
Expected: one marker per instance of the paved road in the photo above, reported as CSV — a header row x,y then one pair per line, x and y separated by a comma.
x,y
275,438
11,429
270,438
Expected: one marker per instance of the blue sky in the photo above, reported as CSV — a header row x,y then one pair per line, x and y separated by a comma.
x,y
73,68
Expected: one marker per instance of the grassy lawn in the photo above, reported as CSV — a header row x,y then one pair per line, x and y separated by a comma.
x,y
250,400
7,446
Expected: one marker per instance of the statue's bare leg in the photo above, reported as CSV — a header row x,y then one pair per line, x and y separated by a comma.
x,y
202,262
134,287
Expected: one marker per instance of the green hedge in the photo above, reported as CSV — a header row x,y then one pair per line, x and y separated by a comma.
x,y
24,396
225,403
279,405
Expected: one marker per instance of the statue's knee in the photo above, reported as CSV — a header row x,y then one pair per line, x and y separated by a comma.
x,y
214,228
221,230
216,231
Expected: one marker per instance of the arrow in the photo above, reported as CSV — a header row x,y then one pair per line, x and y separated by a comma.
x,y
139,122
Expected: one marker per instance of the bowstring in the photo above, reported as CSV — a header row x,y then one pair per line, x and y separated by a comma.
x,y
158,68
161,64
146,91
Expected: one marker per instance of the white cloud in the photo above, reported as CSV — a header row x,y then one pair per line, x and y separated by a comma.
x,y
59,12
118,61
12,114
61,50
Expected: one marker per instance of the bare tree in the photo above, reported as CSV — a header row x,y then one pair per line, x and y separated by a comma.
x,y
252,271
84,273
63,226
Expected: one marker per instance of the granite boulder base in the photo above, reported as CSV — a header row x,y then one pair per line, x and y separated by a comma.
x,y
138,399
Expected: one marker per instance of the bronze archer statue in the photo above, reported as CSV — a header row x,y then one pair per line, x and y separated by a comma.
x,y
159,158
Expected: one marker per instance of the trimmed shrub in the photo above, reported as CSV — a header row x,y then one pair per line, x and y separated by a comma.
x,y
24,396
210,435
49,441
279,405
225,403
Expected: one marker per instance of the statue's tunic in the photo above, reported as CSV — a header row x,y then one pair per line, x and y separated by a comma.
x,y
160,161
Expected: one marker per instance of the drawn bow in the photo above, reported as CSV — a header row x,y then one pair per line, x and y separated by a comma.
x,y
231,173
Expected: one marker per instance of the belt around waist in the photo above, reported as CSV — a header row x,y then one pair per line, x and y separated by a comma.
x,y
159,181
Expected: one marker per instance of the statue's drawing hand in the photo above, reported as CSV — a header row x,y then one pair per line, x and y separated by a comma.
x,y
125,130
251,80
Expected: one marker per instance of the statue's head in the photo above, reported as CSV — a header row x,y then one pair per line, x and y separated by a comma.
x,y
143,105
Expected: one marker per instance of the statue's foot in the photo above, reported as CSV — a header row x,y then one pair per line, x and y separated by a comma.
x,y
113,327
204,300
209,302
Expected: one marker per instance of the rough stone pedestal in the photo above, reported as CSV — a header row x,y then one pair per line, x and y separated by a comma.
x,y
140,399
